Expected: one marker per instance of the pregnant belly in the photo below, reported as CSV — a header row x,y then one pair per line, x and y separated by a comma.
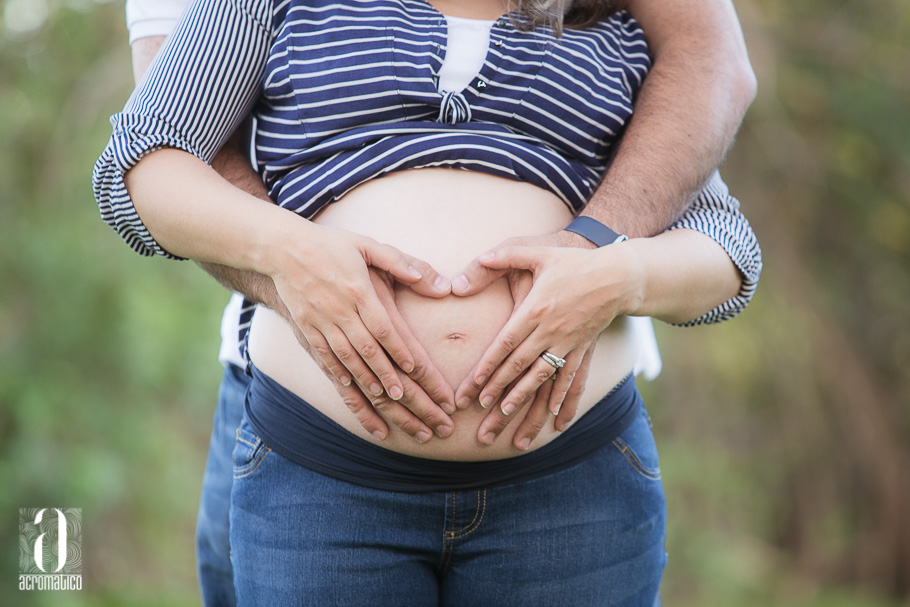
x,y
445,217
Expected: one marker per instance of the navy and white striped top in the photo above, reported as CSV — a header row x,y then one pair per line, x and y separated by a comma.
x,y
344,92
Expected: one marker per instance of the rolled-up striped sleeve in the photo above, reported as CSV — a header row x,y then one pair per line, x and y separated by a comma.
x,y
717,214
198,89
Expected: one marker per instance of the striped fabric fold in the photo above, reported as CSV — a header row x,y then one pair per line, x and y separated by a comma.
x,y
345,92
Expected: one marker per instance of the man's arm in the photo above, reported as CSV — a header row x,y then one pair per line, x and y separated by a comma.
x,y
685,119
233,165
686,115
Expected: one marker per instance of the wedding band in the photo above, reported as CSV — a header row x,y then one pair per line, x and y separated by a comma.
x,y
557,362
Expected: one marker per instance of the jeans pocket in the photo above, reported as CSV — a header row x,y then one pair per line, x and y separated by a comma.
x,y
249,450
637,446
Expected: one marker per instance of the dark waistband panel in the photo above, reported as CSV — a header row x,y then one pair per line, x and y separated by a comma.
x,y
295,429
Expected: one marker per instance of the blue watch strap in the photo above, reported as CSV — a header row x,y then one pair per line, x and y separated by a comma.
x,y
595,231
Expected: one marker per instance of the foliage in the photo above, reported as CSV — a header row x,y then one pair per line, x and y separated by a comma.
x,y
784,434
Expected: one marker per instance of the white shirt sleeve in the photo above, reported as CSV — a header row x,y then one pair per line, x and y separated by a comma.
x,y
145,18
648,363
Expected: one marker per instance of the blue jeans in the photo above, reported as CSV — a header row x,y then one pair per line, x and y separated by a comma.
x,y
213,549
592,534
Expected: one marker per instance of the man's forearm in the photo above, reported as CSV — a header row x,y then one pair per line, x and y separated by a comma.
x,y
686,115
231,164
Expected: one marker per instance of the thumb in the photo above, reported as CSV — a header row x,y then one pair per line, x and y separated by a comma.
x,y
485,269
418,274
474,278
513,258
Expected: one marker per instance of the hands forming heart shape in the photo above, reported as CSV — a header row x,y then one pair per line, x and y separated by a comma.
x,y
564,296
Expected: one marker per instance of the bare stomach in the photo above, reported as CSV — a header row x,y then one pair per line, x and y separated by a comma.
x,y
445,217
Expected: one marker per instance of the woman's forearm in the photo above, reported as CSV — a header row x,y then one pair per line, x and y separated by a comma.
x,y
193,212
681,275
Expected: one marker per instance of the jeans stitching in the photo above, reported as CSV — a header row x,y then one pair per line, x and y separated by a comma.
x,y
243,440
252,466
627,452
448,544
478,517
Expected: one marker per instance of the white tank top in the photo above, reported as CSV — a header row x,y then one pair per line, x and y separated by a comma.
x,y
466,49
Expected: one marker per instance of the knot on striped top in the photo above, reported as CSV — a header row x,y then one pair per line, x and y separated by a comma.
x,y
454,109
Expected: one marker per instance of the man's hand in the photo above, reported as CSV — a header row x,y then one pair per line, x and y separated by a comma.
x,y
560,307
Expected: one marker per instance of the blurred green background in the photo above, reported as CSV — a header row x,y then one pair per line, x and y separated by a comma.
x,y
784,436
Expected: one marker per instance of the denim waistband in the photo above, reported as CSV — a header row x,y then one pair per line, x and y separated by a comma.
x,y
295,429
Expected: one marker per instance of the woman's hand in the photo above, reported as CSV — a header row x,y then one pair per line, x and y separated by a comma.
x,y
573,296
424,386
323,278
417,408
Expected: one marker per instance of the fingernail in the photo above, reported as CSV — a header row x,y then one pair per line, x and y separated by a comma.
x,y
414,272
448,408
460,284
488,256
486,401
464,402
524,443
444,431
487,439
395,393
508,408
441,284
407,367
379,435
422,436
557,408
376,389
345,381
480,380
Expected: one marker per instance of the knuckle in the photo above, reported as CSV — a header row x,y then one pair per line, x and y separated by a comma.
x,y
509,342
366,420
382,331
499,424
517,364
352,402
495,387
369,350
520,396
322,349
540,309
381,403
387,378
485,371
535,425
411,426
431,419
543,375
419,372
408,391
345,354
358,294
410,395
